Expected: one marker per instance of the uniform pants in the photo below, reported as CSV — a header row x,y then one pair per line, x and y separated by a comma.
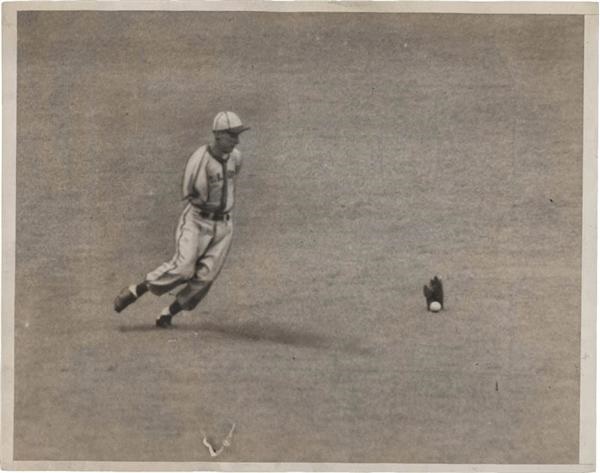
x,y
202,245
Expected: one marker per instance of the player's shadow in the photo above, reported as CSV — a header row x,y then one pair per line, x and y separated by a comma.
x,y
249,331
255,332
149,327
258,332
261,332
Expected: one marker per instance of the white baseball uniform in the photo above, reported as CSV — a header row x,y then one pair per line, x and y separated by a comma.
x,y
205,228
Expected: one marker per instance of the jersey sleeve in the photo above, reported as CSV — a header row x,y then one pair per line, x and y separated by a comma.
x,y
237,156
188,177
195,165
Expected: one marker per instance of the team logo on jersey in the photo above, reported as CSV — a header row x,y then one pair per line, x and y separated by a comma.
x,y
218,177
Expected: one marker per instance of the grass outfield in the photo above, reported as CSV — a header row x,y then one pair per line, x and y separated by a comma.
x,y
385,149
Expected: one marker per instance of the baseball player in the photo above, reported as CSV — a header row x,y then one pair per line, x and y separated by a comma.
x,y
204,231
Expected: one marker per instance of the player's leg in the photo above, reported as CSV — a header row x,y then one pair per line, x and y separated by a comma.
x,y
209,266
167,314
191,238
129,295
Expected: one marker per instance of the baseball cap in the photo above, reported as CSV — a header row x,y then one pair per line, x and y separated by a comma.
x,y
228,121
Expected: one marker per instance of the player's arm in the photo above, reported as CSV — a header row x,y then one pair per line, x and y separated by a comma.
x,y
237,156
189,176
195,188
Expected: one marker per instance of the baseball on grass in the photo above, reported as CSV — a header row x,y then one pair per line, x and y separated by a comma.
x,y
435,306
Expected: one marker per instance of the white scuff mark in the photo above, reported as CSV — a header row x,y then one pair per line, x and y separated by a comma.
x,y
226,442
172,340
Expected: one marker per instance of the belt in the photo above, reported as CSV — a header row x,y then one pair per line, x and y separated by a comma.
x,y
214,216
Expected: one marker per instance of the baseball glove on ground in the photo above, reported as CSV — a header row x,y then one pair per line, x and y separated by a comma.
x,y
434,292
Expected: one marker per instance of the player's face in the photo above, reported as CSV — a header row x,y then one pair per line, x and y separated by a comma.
x,y
226,141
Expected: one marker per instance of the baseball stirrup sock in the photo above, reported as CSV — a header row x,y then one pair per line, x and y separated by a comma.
x,y
174,308
171,310
141,289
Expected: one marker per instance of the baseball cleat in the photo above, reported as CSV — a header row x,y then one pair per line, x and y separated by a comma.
x,y
164,321
125,298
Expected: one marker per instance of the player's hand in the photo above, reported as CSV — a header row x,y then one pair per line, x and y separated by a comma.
x,y
434,292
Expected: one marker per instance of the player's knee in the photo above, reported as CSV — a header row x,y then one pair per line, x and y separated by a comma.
x,y
187,274
204,275
186,270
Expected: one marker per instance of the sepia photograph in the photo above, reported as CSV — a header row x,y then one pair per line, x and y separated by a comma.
x,y
277,236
